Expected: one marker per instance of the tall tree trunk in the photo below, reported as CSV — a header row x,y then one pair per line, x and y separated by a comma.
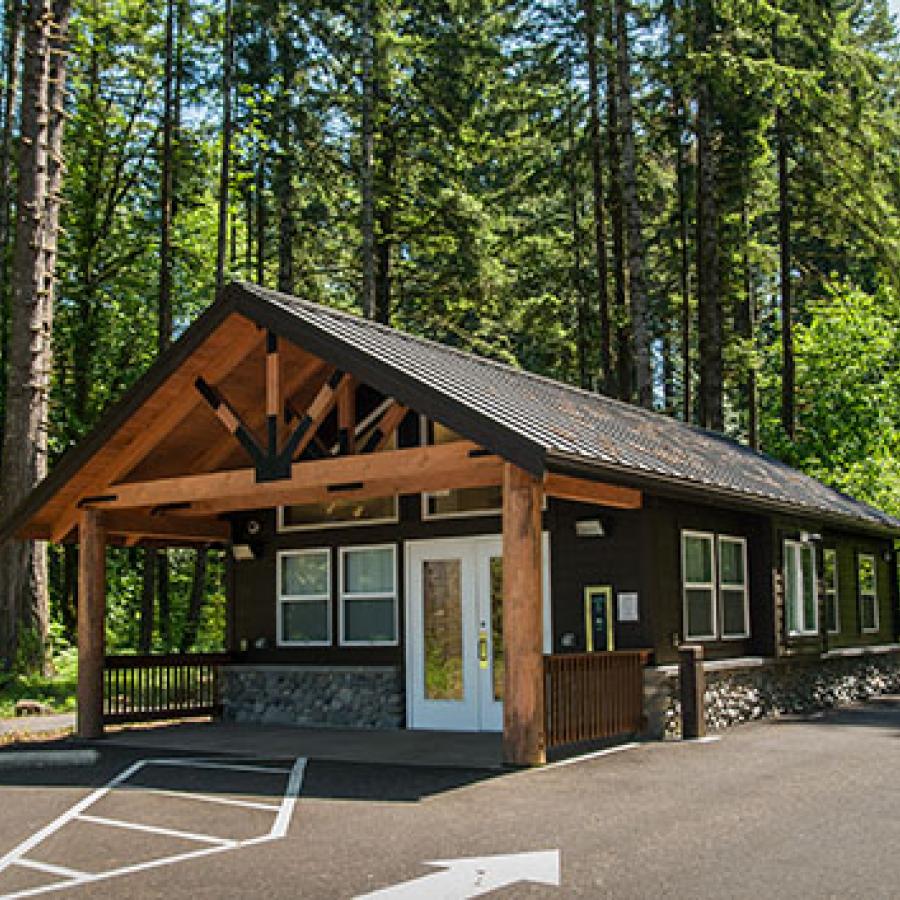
x,y
23,564
581,341
746,327
225,163
68,606
148,593
260,192
617,222
788,375
284,184
687,395
12,32
637,292
709,333
384,245
198,594
164,312
163,596
590,29
367,159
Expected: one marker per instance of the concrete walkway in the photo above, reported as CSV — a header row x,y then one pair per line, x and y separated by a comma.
x,y
400,747
29,726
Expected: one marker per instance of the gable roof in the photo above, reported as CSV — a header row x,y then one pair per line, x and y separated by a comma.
x,y
533,421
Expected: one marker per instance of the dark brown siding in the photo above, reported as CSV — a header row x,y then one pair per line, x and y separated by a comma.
x,y
616,560
670,518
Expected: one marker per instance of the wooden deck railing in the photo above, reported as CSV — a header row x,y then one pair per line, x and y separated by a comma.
x,y
161,686
591,696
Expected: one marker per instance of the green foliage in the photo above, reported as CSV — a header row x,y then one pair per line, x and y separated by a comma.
x,y
848,368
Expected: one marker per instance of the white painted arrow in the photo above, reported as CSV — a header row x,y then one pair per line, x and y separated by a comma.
x,y
474,876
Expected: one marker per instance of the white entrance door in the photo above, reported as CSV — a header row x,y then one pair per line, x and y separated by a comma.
x,y
454,628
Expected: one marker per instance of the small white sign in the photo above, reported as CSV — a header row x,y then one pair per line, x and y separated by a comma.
x,y
627,607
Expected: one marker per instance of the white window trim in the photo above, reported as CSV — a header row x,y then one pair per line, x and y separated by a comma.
x,y
698,585
799,575
874,594
392,595
294,598
833,590
428,516
745,587
316,526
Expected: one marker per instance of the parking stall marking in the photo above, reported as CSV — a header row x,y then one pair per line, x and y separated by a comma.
x,y
70,877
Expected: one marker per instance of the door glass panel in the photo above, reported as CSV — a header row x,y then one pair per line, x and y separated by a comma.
x,y
498,667
442,629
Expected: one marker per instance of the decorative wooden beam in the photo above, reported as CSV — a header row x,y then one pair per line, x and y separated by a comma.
x,y
523,698
347,419
233,423
315,415
565,487
273,390
220,362
291,382
384,430
91,615
409,470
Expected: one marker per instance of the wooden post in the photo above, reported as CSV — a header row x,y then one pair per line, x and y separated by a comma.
x,y
91,614
693,691
523,699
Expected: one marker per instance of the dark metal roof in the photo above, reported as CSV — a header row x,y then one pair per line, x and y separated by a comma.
x,y
533,421
548,421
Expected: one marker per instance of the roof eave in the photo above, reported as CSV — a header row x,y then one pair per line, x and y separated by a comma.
x,y
566,463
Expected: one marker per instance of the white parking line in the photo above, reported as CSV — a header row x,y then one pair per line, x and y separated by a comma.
x,y
61,871
208,798
155,829
78,812
206,764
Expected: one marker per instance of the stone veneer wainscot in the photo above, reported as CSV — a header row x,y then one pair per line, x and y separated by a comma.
x,y
743,690
337,696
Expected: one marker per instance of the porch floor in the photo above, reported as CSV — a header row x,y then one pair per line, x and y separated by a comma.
x,y
453,749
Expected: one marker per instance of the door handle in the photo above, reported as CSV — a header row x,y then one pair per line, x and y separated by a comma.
x,y
482,649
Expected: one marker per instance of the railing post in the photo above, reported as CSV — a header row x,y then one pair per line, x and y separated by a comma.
x,y
693,690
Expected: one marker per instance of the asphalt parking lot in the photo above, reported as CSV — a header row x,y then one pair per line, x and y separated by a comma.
x,y
801,808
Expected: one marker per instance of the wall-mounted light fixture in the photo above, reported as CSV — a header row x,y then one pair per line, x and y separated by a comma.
x,y
888,555
590,528
246,552
807,537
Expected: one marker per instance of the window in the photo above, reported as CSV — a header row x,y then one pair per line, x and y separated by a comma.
x,y
337,512
304,598
868,592
800,594
830,579
459,501
369,595
734,596
698,576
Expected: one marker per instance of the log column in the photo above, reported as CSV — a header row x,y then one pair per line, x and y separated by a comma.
x,y
523,698
91,615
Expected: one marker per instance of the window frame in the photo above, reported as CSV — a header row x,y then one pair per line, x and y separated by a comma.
x,y
343,594
832,590
281,528
697,585
282,599
873,594
745,587
801,545
427,515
